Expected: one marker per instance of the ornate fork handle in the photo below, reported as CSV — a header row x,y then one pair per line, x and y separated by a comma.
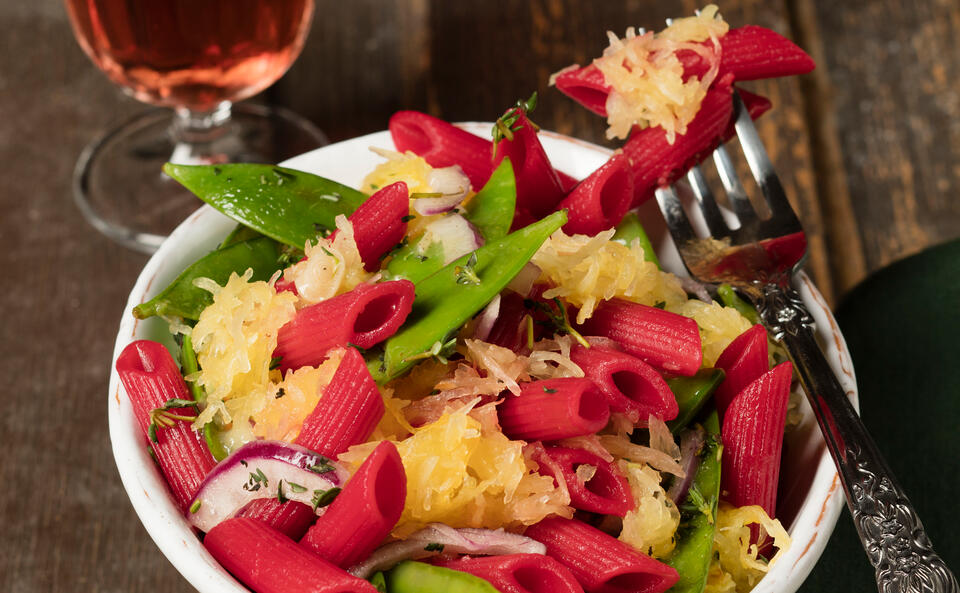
x,y
889,528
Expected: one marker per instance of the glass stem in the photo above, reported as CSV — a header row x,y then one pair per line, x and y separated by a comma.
x,y
198,135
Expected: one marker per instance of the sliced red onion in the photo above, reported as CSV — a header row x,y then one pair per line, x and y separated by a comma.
x,y
262,469
693,287
487,318
691,440
452,185
455,233
523,282
445,539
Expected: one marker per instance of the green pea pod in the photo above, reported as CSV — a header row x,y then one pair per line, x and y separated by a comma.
x,y
182,299
407,261
698,514
630,229
379,582
285,204
239,234
448,298
692,393
492,209
729,297
420,577
188,366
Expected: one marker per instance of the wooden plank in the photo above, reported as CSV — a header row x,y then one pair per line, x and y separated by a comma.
x,y
893,85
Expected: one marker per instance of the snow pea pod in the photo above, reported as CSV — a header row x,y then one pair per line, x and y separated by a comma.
x,y
407,261
692,393
182,299
729,297
189,366
698,513
451,296
419,577
492,209
285,204
630,229
239,234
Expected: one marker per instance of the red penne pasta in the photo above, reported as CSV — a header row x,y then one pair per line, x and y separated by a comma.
x,y
751,52
747,53
364,513
553,409
443,144
517,573
365,316
348,411
630,385
743,361
607,492
291,518
752,436
657,163
267,561
599,202
538,186
601,563
379,224
665,340
151,378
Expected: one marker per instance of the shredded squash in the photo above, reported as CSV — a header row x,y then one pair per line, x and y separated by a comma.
x,y
647,79
330,267
464,476
736,558
651,526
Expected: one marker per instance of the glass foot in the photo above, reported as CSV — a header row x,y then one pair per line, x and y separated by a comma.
x,y
119,186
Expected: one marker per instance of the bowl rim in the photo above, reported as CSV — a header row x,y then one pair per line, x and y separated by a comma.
x,y
176,539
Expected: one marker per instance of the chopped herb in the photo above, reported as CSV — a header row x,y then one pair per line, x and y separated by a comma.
x,y
374,186
195,506
281,497
280,393
256,480
528,320
217,170
421,258
296,488
322,468
407,218
284,174
320,228
275,362
558,319
507,124
243,463
424,194
660,305
433,547
322,498
162,417
327,252
379,582
467,273
438,351
358,348
549,390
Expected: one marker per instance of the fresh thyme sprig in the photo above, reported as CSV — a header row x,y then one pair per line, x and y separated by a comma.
x,y
507,124
162,417
558,319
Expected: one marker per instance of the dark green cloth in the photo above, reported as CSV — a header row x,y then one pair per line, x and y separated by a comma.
x,y
902,326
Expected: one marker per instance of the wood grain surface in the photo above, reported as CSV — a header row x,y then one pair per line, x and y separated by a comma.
x,y
868,148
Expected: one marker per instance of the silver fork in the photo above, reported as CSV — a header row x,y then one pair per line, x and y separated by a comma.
x,y
760,259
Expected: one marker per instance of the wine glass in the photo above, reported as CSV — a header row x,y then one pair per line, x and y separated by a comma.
x,y
198,57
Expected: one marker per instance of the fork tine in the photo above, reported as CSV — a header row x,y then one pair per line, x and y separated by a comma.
x,y
677,222
708,204
731,183
760,165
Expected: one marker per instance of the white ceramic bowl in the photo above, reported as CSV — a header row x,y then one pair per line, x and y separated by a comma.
x,y
813,497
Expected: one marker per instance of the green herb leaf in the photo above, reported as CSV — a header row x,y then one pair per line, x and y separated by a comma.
x,y
433,547
195,506
322,498
296,488
549,390
280,495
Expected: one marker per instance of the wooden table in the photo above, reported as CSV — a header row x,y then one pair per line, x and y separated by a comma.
x,y
868,147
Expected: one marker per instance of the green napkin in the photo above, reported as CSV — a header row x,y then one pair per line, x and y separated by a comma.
x,y
902,326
